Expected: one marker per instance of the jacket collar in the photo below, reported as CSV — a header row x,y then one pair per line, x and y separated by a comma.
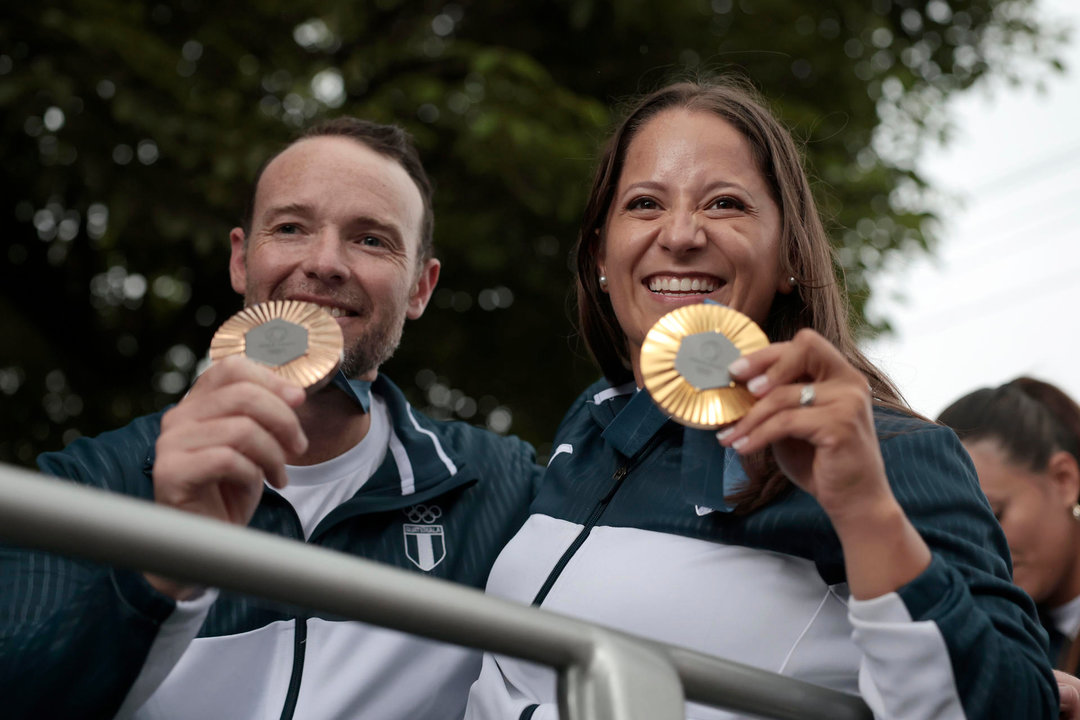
x,y
709,474
359,391
418,463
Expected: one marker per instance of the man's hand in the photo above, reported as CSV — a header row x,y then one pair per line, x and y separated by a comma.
x,y
236,427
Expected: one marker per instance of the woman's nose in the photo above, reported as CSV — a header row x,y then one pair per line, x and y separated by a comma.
x,y
682,233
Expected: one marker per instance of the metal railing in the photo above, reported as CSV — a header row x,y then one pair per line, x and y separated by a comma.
x,y
603,674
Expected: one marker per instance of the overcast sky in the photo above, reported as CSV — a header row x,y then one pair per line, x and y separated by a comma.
x,y
1001,296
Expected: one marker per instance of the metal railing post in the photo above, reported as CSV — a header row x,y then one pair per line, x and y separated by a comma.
x,y
622,679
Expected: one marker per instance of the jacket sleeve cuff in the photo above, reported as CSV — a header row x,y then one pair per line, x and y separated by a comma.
x,y
173,638
933,592
140,597
913,602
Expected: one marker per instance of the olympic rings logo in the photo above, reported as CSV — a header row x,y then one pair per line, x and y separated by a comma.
x,y
423,513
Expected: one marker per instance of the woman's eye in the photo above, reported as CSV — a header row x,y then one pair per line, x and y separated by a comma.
x,y
727,203
642,203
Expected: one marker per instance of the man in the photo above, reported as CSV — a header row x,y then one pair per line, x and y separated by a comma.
x,y
342,218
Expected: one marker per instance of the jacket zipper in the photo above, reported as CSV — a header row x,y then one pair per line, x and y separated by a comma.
x,y
618,476
288,709
299,648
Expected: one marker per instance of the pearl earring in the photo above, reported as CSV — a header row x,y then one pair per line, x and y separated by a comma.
x,y
1076,511
603,282
792,282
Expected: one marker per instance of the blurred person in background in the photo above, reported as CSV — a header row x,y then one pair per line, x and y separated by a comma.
x,y
1024,438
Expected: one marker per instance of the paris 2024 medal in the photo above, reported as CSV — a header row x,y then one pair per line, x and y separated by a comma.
x,y
684,361
299,341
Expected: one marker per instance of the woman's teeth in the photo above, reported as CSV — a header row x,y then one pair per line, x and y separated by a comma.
x,y
683,285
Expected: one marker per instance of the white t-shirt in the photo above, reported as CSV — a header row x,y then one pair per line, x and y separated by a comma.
x,y
315,490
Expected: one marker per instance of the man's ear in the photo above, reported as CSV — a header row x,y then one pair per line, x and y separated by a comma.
x,y
426,280
238,260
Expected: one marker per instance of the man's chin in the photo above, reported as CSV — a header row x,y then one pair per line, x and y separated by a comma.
x,y
359,364
373,347
359,371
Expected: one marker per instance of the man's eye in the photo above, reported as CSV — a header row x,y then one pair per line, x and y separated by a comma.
x,y
371,241
288,229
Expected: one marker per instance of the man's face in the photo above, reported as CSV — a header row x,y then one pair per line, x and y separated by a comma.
x,y
337,224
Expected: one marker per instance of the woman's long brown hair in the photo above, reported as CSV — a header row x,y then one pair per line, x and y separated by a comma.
x,y
805,253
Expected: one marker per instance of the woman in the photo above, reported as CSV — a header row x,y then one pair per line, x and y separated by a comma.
x,y
1024,438
786,545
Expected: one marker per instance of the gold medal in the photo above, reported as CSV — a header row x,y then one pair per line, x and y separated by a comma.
x,y
684,362
299,341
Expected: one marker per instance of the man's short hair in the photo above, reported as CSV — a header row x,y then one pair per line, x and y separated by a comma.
x,y
389,140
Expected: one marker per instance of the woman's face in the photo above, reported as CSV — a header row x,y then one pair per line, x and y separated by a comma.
x,y
1035,512
692,218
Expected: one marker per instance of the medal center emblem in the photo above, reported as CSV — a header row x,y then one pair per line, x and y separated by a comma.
x,y
276,342
703,360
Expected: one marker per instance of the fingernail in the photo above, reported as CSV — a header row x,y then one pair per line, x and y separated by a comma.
x,y
740,443
721,435
757,385
738,367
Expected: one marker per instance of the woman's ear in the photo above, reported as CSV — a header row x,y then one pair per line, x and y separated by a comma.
x,y
786,284
1064,473
601,271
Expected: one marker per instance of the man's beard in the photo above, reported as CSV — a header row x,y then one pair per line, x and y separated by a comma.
x,y
376,343
374,347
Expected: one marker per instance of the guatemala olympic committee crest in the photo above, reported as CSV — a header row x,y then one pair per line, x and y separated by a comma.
x,y
425,542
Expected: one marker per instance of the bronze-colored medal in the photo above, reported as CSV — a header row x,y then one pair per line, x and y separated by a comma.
x,y
684,361
299,341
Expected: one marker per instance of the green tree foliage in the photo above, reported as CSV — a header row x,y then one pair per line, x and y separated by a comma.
x,y
131,131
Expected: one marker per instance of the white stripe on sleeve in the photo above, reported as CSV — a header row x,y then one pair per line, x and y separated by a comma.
x,y
172,641
905,671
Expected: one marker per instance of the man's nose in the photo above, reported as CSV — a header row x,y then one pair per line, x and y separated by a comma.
x,y
325,258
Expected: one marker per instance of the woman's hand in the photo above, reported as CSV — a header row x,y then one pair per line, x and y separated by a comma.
x,y
815,410
1069,689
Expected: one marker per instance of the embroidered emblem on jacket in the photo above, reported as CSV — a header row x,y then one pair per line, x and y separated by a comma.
x,y
425,543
